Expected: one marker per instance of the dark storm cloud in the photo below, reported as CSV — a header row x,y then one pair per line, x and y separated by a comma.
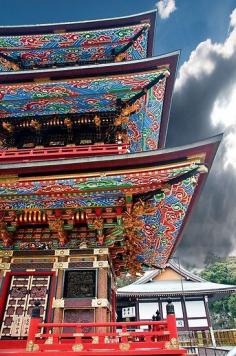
x,y
209,74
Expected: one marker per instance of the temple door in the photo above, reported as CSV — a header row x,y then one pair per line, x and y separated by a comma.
x,y
23,291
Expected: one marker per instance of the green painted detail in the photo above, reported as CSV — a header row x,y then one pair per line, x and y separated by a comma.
x,y
68,227
11,228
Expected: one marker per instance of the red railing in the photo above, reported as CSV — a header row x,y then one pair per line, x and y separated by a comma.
x,y
131,338
25,155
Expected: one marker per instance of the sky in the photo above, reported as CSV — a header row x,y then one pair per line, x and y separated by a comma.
x,y
204,100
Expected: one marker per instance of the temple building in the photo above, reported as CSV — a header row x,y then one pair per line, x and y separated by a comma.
x,y
87,188
189,292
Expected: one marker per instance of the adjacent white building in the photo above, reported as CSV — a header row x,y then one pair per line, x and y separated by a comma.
x,y
188,292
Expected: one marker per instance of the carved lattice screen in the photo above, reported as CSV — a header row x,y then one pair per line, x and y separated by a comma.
x,y
23,291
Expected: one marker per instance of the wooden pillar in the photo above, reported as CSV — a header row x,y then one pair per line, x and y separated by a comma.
x,y
58,312
171,320
209,322
113,301
101,312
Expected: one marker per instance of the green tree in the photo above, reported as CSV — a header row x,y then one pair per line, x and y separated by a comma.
x,y
222,271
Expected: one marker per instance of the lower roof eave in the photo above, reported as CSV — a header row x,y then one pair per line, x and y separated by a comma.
x,y
161,156
180,293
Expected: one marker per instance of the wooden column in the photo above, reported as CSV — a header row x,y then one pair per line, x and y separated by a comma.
x,y
101,312
58,311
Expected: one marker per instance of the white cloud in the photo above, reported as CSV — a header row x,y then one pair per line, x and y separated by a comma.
x,y
224,109
203,59
165,8
206,63
204,104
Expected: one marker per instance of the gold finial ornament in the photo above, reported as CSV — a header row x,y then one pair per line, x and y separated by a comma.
x,y
35,124
120,57
7,126
97,121
68,123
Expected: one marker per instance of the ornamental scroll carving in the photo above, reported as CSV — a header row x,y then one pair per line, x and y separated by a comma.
x,y
80,284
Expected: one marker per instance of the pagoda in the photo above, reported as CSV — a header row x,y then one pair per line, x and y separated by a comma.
x,y
87,189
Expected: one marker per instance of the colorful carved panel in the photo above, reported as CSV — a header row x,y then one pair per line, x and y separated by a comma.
x,y
32,51
23,291
144,125
92,95
145,178
161,227
38,194
66,202
71,96
147,230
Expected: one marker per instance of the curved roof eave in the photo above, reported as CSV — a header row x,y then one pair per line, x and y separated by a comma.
x,y
161,156
178,293
92,69
86,25
199,288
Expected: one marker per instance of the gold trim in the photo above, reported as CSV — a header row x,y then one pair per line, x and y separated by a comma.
x,y
193,160
100,303
8,178
77,347
100,264
42,80
58,303
95,339
62,253
199,158
60,265
6,253
31,346
124,334
124,347
173,344
100,251
5,266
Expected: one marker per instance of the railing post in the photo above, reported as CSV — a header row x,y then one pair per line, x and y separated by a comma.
x,y
33,327
171,320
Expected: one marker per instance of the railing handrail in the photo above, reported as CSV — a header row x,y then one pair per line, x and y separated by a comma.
x,y
212,347
25,154
224,330
106,324
62,148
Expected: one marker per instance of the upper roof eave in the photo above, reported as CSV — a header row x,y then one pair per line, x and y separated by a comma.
x,y
91,24
120,68
91,70
87,25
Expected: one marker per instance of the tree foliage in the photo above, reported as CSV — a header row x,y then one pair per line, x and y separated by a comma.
x,y
222,271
